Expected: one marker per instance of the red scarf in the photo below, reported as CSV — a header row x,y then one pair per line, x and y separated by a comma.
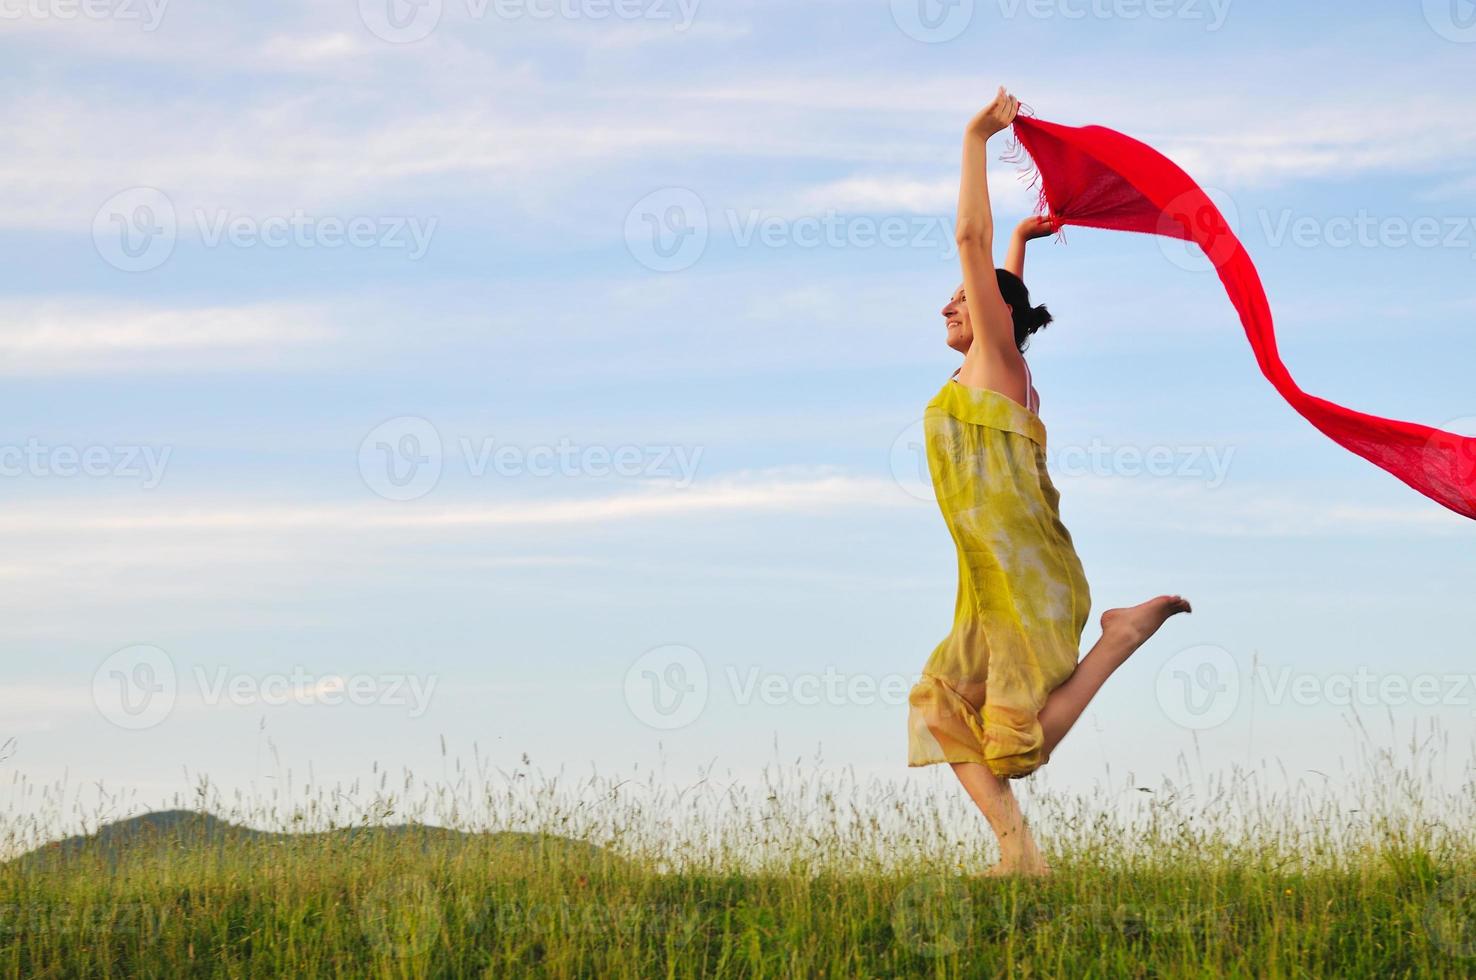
x,y
1100,178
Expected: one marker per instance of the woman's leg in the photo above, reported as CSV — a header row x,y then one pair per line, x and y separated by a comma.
x,y
992,794
1123,631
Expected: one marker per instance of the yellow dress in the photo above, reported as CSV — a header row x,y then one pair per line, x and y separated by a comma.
x,y
1022,595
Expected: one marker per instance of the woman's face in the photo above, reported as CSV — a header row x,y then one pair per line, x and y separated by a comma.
x,y
956,317
960,327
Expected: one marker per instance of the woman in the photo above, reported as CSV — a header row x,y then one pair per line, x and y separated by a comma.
x,y
1000,691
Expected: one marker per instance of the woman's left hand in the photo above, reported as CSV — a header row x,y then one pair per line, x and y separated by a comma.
x,y
1038,226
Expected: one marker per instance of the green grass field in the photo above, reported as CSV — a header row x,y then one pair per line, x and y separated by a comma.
x,y
423,915
813,874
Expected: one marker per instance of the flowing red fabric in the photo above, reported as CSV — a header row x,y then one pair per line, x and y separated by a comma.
x,y
1100,178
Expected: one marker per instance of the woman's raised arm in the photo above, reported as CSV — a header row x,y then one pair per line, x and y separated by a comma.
x,y
993,360
1028,230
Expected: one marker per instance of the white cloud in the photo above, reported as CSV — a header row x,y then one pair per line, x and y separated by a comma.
x,y
756,493
1337,131
383,128
212,561
1245,509
55,337
643,33
289,49
903,194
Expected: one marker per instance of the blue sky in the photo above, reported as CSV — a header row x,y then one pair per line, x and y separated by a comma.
x,y
254,257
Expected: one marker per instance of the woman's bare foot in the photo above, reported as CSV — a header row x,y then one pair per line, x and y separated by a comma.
x,y
1017,869
1020,858
1129,627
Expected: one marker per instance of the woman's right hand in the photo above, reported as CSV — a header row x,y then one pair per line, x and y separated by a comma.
x,y
996,116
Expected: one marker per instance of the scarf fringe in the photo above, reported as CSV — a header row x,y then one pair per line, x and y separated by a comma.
x,y
1028,173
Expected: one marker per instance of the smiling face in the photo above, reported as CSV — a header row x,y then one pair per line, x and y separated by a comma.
x,y
956,316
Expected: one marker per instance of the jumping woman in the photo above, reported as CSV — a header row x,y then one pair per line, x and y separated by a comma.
x,y
1000,691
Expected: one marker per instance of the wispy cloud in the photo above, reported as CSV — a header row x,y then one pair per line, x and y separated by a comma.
x,y
338,144
291,49
51,338
1247,509
659,501
902,194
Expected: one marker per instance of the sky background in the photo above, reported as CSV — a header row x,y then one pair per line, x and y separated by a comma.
x,y
565,364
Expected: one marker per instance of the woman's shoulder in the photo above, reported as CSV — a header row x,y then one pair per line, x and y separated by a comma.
x,y
985,407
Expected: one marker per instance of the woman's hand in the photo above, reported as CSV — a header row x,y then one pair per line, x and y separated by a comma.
x,y
1026,231
996,116
1038,226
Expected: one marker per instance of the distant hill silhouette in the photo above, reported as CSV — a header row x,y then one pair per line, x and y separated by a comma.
x,y
168,832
